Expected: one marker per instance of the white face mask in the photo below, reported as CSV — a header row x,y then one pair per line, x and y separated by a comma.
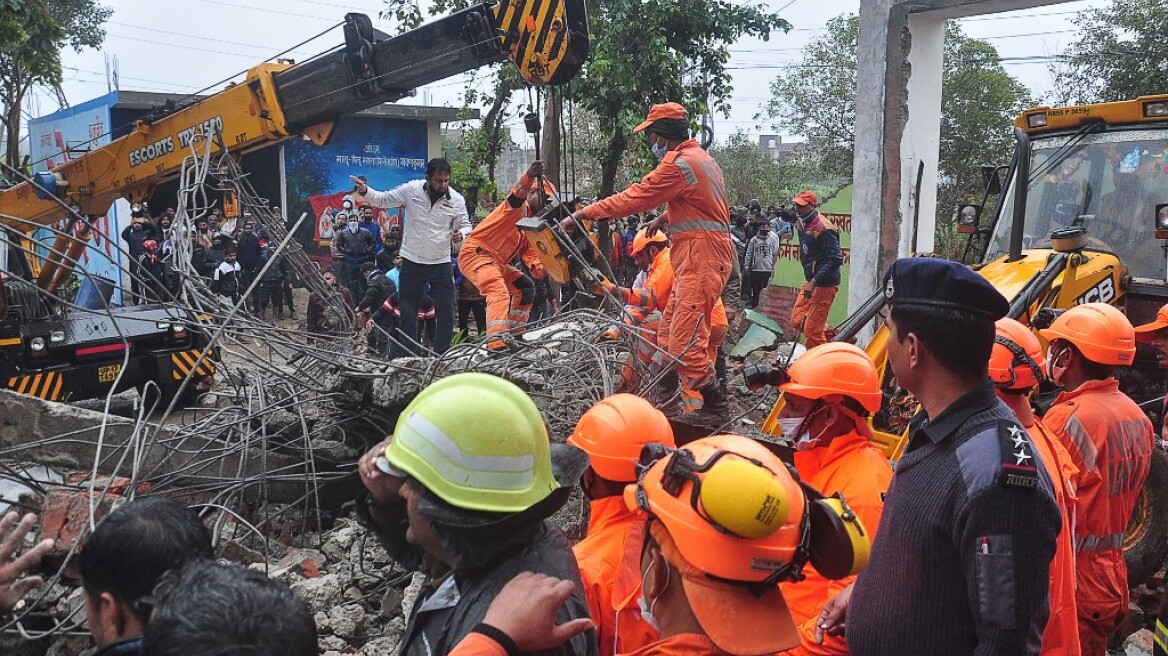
x,y
1053,371
789,425
353,227
647,607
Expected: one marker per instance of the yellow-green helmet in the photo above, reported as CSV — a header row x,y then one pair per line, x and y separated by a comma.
x,y
476,441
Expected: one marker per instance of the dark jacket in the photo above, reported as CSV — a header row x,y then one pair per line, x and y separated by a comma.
x,y
212,258
135,238
451,605
379,288
355,245
966,540
820,254
248,251
274,276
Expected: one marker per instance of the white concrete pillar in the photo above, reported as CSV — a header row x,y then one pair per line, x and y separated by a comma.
x,y
920,145
898,121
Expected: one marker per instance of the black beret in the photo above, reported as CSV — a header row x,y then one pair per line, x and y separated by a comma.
x,y
940,283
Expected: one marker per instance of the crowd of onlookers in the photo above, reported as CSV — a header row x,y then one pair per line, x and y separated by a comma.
x,y
229,252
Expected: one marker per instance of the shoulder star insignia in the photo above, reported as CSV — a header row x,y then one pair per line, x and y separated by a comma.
x,y
1017,436
1021,457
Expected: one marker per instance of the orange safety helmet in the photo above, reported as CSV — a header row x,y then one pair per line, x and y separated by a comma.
x,y
642,240
732,520
1101,333
835,368
1016,362
614,431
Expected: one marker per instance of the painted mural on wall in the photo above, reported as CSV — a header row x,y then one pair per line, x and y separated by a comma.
x,y
55,140
388,152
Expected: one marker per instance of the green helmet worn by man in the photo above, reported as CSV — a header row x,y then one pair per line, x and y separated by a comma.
x,y
462,491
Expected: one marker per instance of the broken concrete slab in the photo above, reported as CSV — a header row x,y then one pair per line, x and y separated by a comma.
x,y
63,436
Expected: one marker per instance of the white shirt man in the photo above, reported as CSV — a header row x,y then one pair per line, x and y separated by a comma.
x,y
435,217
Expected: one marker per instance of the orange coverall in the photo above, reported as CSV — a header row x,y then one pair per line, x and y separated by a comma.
x,y
1110,441
853,465
682,644
610,567
485,258
654,296
690,183
1061,636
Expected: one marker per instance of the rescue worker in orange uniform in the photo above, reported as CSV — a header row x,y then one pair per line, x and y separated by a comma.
x,y
1155,334
1110,441
486,256
821,257
1016,367
724,523
644,307
613,433
689,182
829,392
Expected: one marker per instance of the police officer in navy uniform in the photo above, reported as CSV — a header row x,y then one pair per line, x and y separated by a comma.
x,y
970,520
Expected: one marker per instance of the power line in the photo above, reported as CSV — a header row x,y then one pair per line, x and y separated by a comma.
x,y
127,77
183,47
199,37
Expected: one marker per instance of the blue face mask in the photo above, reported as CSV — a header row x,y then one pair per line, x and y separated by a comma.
x,y
658,149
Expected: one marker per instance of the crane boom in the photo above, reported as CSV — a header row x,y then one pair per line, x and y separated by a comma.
x,y
547,40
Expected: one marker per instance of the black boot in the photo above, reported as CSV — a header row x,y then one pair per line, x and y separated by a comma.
x,y
714,397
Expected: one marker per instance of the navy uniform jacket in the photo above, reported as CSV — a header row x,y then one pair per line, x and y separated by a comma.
x,y
820,254
962,561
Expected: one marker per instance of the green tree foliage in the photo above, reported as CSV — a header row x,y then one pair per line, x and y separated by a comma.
x,y
751,173
466,156
652,51
479,149
32,35
979,103
817,98
1120,54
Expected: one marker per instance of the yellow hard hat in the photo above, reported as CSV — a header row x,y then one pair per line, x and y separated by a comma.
x,y
477,442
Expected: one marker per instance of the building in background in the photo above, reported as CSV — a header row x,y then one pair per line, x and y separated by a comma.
x,y
389,144
773,146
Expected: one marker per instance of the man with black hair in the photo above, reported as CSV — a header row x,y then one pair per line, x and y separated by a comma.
x,y
213,609
123,560
227,278
249,252
378,288
481,518
821,257
435,216
690,183
970,523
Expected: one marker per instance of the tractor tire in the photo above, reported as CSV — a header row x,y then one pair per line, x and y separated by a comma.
x,y
1145,546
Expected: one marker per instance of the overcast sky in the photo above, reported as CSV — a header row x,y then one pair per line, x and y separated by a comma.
x,y
185,50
